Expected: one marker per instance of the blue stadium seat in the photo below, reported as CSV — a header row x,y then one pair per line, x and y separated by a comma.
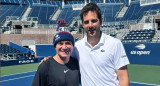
x,y
43,13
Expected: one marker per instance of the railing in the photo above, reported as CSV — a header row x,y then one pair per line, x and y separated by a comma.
x,y
77,6
148,2
33,31
143,26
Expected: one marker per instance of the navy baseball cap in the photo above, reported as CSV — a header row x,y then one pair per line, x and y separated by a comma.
x,y
63,36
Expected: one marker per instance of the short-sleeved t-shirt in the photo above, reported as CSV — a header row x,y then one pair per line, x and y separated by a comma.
x,y
51,73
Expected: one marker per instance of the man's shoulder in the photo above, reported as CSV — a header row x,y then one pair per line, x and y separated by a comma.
x,y
73,59
44,67
112,40
79,42
45,64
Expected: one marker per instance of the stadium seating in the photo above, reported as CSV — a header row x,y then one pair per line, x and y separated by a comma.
x,y
11,10
68,13
145,35
10,53
75,2
135,11
43,12
5,49
29,2
109,11
46,9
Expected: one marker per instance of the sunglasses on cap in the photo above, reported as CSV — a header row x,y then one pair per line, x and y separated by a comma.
x,y
93,21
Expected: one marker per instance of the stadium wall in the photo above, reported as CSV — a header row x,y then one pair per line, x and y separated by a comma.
x,y
45,50
19,62
38,38
143,53
138,53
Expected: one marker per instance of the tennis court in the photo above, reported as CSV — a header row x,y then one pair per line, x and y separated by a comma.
x,y
22,75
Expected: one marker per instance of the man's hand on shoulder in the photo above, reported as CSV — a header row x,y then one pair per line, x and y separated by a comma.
x,y
44,59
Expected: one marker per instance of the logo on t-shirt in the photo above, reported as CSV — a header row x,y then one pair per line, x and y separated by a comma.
x,y
102,50
65,71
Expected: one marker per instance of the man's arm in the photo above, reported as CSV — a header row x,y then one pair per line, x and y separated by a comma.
x,y
123,76
44,59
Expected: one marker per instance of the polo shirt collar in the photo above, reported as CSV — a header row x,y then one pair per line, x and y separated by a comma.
x,y
101,42
86,42
102,39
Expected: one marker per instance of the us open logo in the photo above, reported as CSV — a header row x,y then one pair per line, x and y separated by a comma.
x,y
141,50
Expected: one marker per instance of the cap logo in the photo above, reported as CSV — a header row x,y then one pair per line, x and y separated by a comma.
x,y
57,37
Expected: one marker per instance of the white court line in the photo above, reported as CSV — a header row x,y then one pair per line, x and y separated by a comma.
x,y
16,78
33,75
18,73
144,83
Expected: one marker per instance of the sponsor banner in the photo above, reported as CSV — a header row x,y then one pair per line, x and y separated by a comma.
x,y
143,53
19,62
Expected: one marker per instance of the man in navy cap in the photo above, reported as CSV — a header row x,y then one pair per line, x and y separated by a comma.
x,y
61,69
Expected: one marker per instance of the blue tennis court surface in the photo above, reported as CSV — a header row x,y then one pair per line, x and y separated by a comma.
x,y
142,84
21,79
25,79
